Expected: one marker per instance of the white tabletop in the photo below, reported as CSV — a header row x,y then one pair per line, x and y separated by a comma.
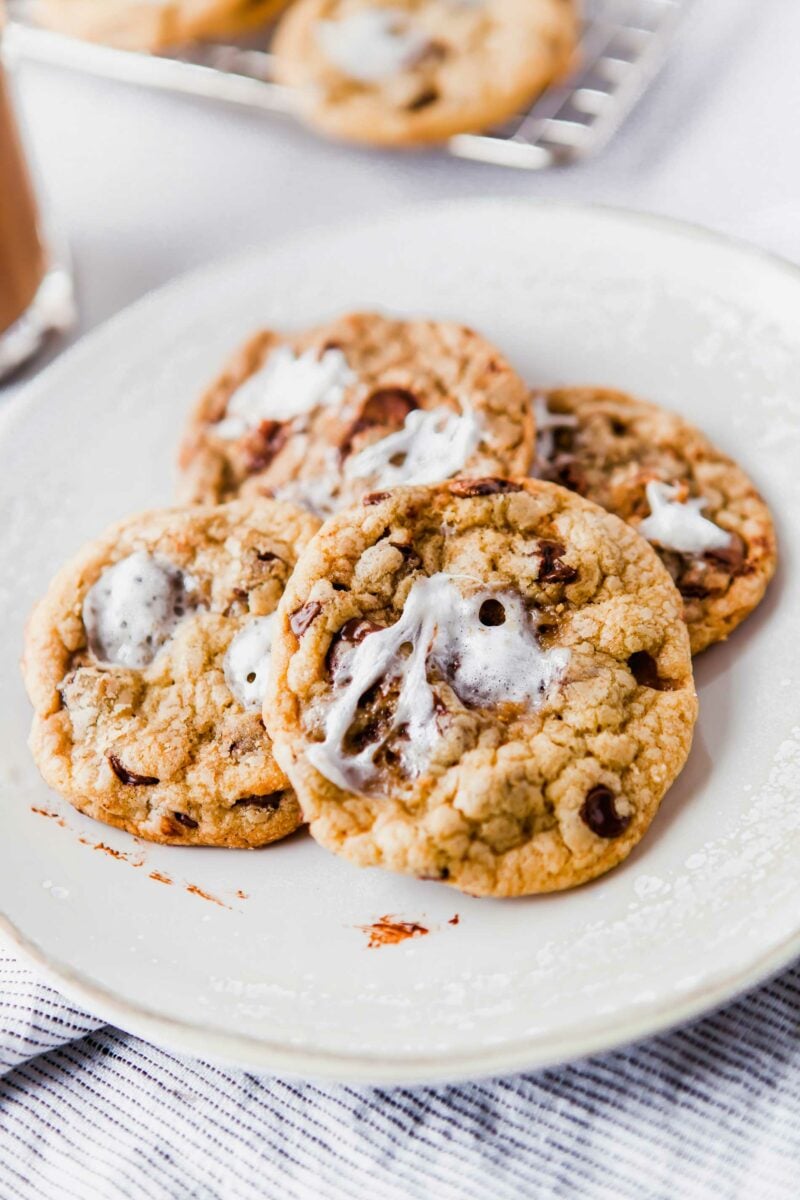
x,y
147,186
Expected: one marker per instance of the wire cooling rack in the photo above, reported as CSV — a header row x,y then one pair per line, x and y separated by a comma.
x,y
623,45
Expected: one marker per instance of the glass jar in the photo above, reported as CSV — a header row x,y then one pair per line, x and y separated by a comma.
x,y
35,287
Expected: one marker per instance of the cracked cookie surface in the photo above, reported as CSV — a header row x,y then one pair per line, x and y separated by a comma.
x,y
482,682
411,71
146,663
359,403
711,528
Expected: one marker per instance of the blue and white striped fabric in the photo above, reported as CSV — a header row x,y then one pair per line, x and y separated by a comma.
x,y
90,1113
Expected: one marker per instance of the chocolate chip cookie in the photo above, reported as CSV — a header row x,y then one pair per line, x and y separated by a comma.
x,y
705,518
483,682
153,24
146,664
414,71
361,403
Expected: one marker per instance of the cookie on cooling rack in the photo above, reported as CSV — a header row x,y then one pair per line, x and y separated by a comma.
x,y
360,403
146,664
153,24
483,682
411,71
694,504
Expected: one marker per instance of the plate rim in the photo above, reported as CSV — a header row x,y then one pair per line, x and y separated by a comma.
x,y
258,1054
244,1052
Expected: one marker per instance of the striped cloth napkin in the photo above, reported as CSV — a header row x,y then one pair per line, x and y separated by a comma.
x,y
90,1113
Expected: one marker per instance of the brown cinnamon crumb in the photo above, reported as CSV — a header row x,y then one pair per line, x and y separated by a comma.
x,y
198,891
53,816
389,931
110,851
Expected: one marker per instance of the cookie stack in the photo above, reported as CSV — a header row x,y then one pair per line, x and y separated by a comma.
x,y
387,72
445,622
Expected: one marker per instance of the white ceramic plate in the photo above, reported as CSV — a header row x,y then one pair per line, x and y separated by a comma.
x,y
282,979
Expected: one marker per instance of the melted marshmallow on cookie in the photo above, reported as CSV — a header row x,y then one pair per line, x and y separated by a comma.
x,y
373,44
246,663
547,423
286,387
486,664
135,607
433,444
680,525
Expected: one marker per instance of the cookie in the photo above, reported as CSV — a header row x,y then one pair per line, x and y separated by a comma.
x,y
415,71
146,664
483,682
361,403
695,505
155,24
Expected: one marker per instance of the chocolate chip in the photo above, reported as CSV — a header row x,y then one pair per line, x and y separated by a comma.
x,y
732,557
375,497
391,757
566,471
264,444
351,633
709,575
618,428
374,731
272,802
357,628
435,51
672,560
125,776
409,554
301,618
546,630
424,100
564,439
182,819
436,876
692,581
483,487
268,556
551,568
491,612
599,813
389,406
385,407
373,693
644,669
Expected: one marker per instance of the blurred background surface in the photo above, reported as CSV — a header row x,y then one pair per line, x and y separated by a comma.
x,y
147,185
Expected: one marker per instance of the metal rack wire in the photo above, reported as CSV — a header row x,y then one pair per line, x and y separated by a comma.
x,y
623,45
